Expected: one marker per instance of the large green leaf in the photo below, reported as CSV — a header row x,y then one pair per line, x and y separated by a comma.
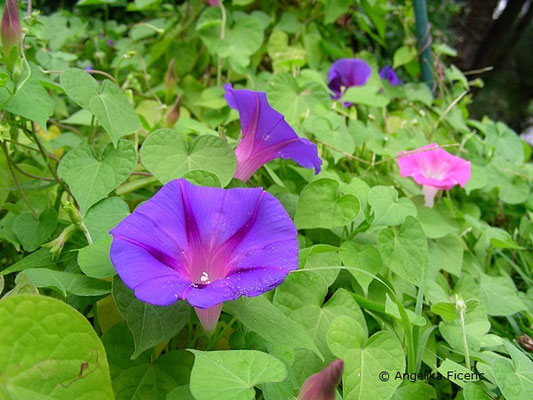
x,y
92,179
114,112
32,232
500,295
79,86
48,350
387,208
104,216
31,101
144,378
293,100
261,316
94,259
318,321
321,205
365,363
149,324
66,282
365,257
167,155
366,95
107,103
232,375
405,251
515,379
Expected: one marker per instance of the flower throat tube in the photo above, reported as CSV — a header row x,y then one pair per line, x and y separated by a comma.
x,y
205,245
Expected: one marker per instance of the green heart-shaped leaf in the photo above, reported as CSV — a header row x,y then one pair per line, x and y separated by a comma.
x,y
232,375
48,350
91,179
32,232
387,208
322,206
167,155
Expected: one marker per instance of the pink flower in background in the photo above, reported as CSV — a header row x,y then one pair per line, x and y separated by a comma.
x,y
323,385
435,169
214,3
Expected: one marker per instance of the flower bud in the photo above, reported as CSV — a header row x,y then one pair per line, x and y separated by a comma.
x,y
322,385
11,32
170,76
56,245
174,113
73,213
214,3
526,342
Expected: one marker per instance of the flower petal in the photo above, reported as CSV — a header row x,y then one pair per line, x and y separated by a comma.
x,y
347,72
432,166
388,74
266,135
204,244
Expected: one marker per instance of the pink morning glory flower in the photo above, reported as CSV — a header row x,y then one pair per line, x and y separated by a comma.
x,y
435,169
387,73
323,385
345,73
266,135
205,245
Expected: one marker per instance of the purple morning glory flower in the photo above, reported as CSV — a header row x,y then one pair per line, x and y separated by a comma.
x,y
388,74
205,245
266,135
345,73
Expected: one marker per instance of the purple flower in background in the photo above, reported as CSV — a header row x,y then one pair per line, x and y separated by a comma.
x,y
110,42
266,135
388,74
345,73
205,245
89,68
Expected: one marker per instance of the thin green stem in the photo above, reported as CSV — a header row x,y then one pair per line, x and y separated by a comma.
x,y
17,183
465,343
222,36
45,157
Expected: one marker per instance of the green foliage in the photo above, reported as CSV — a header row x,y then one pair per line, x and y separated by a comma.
x,y
112,99
35,364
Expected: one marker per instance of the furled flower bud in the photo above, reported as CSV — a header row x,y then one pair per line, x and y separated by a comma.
x,y
526,342
56,245
174,113
11,32
73,213
322,385
170,76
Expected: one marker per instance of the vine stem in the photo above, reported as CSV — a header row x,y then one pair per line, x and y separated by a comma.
x,y
222,37
17,183
45,157
465,343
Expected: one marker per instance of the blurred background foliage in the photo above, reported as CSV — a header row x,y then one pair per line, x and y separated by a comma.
x,y
491,39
